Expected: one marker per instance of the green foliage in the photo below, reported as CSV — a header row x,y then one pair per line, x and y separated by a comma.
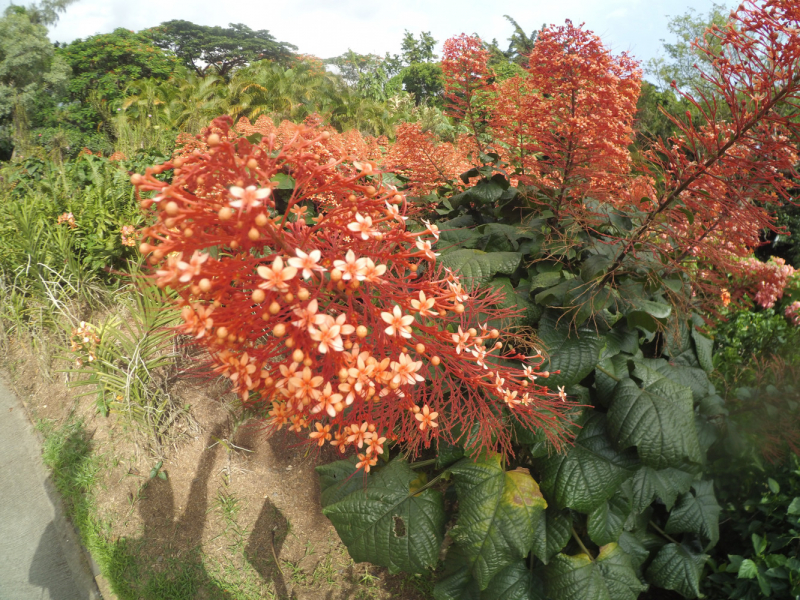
x,y
134,365
390,522
103,66
218,49
627,502
758,556
746,335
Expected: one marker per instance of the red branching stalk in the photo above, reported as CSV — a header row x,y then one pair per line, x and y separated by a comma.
x,y
342,323
719,178
426,162
569,121
468,84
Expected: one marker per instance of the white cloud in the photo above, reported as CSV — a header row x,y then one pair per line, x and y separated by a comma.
x,y
328,27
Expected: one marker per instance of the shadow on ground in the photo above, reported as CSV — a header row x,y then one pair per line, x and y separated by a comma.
x,y
166,561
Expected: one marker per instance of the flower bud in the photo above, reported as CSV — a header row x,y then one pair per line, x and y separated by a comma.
x,y
222,332
361,331
253,234
420,348
279,330
303,294
435,361
274,308
225,213
172,208
298,356
258,295
213,140
261,219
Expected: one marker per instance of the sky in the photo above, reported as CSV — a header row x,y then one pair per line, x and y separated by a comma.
x,y
327,28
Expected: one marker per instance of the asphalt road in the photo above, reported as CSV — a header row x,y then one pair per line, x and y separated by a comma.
x,y
40,555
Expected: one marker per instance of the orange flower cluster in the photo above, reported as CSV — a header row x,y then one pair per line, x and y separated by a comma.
x,y
84,342
67,218
424,161
567,123
117,156
334,315
128,234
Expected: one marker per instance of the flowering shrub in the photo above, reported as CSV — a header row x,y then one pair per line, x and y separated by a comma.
x,y
321,303
792,313
766,281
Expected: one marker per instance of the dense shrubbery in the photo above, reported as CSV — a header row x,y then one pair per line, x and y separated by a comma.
x,y
494,282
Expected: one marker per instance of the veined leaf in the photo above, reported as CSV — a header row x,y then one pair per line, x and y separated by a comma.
x,y
704,347
677,568
590,471
609,577
515,582
666,484
574,353
657,418
477,268
385,524
337,480
697,513
498,513
606,521
552,534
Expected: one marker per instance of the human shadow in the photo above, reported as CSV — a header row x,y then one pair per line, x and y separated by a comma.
x,y
167,560
49,568
264,546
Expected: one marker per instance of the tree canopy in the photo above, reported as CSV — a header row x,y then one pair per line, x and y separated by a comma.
x,y
219,49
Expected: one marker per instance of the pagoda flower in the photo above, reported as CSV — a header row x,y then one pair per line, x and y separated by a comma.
x,y
426,418
322,434
306,263
363,226
562,394
193,267
398,323
351,267
432,229
424,305
366,462
427,249
276,276
249,197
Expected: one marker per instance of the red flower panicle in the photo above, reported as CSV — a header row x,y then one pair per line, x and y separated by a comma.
x,y
324,305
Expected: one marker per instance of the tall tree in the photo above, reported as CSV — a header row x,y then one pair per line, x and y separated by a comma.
x,y
28,68
418,50
219,49
684,63
104,65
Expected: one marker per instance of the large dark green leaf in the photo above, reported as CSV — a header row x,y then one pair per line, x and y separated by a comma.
x,y
677,568
337,480
704,347
609,577
657,418
477,268
498,513
515,582
666,484
605,522
457,582
552,534
572,352
697,512
606,376
385,524
589,472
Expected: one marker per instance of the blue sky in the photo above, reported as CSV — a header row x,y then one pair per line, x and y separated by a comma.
x,y
328,27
